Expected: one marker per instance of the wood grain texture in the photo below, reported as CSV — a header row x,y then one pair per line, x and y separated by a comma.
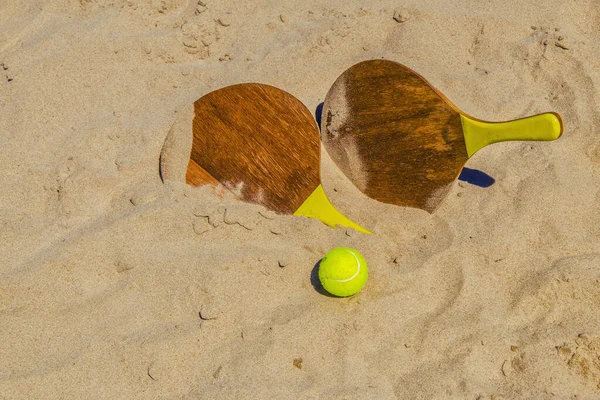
x,y
393,135
197,176
260,142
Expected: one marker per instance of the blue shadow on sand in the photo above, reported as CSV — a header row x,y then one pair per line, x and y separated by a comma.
x,y
476,177
472,176
319,114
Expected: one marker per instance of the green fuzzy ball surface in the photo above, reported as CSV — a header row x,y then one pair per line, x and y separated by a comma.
x,y
343,272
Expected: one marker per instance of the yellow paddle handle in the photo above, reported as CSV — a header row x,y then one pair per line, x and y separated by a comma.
x,y
318,206
479,134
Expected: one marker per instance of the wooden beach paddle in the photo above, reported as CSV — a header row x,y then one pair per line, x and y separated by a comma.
x,y
402,142
263,145
172,166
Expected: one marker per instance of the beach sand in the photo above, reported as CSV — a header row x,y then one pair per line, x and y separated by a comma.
x,y
106,271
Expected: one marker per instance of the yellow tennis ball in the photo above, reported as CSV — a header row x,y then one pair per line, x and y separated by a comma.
x,y
343,272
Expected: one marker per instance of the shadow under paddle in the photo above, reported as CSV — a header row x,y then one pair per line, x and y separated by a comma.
x,y
476,177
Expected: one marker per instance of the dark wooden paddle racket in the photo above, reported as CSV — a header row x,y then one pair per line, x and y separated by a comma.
x,y
263,145
402,142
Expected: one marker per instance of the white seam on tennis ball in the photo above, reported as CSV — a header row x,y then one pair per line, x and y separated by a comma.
x,y
355,274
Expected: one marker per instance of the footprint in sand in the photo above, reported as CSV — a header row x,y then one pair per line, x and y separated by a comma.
x,y
582,356
593,153
568,290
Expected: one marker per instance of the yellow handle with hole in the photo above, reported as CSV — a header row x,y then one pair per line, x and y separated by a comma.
x,y
479,134
318,206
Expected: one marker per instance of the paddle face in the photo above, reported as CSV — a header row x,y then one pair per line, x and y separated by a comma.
x,y
197,176
258,141
393,135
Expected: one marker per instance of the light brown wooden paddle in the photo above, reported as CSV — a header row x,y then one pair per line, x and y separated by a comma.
x,y
263,145
400,141
197,176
